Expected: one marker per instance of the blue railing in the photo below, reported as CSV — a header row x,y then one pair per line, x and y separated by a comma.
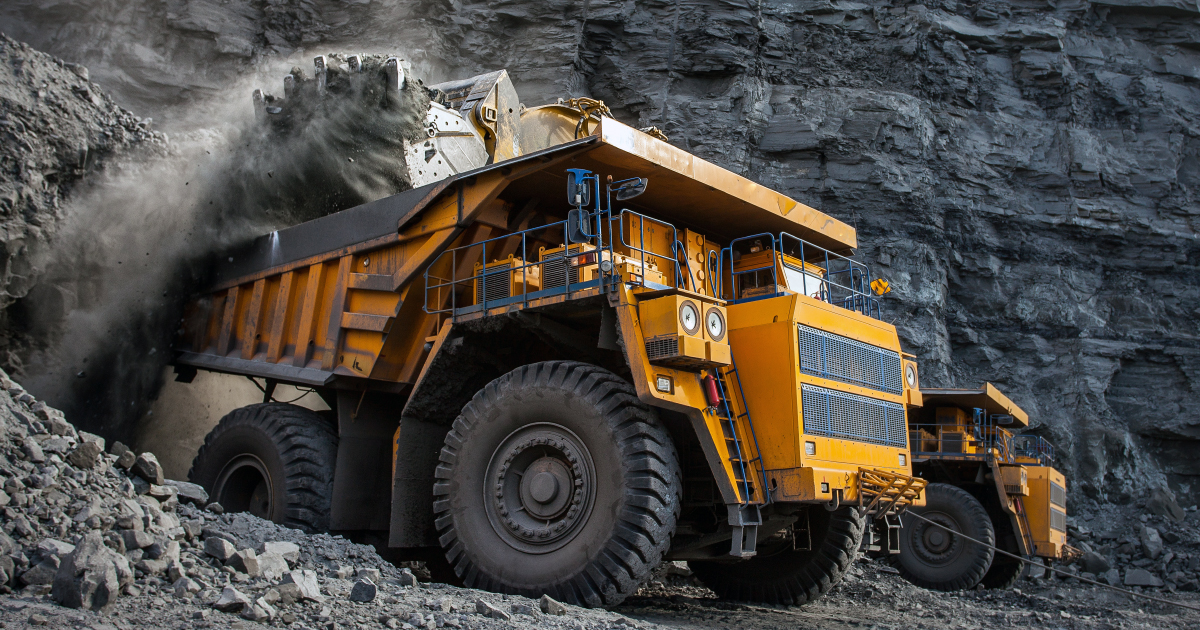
x,y
838,280
986,441
489,270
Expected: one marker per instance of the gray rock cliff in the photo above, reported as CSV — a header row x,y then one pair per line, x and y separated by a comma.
x,y
1025,173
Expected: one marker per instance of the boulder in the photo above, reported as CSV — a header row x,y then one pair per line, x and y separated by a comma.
x,y
189,492
41,573
135,539
364,591
118,449
245,561
164,550
150,566
185,586
368,573
551,607
219,548
289,551
147,467
1141,577
55,423
231,601
1112,577
32,450
91,576
126,460
488,610
1152,544
1095,563
271,566
407,578
1162,503
86,455
259,611
306,584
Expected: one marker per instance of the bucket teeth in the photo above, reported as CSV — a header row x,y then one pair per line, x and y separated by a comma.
x,y
355,63
319,68
289,86
395,74
260,105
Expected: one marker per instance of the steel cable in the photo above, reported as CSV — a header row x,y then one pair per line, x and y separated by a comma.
x,y
1059,571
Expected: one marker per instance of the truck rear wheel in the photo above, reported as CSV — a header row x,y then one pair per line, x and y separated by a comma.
x,y
557,480
273,460
787,576
936,559
1005,570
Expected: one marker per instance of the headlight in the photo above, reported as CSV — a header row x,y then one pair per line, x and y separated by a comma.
x,y
689,318
714,322
910,375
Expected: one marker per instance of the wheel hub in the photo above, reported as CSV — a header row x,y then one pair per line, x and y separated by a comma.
x,y
933,544
244,485
541,486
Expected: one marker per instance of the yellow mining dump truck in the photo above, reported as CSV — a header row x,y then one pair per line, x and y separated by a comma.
x,y
984,482
558,368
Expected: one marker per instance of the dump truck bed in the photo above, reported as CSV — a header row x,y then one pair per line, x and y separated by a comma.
x,y
313,302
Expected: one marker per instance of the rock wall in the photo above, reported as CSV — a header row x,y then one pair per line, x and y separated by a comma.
x,y
1025,173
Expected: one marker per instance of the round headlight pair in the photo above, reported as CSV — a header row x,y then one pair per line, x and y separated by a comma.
x,y
714,322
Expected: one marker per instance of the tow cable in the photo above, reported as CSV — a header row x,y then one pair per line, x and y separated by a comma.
x,y
1059,571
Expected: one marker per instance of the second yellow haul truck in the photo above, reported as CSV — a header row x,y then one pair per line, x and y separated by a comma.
x,y
985,482
586,353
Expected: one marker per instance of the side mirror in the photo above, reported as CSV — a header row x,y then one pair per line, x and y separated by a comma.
x,y
577,226
631,188
579,192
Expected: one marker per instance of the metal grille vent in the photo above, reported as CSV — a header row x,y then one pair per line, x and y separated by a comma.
x,y
1058,495
842,415
496,285
556,271
839,358
1013,489
1058,520
662,347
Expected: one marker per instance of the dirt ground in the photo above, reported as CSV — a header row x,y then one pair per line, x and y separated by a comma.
x,y
874,596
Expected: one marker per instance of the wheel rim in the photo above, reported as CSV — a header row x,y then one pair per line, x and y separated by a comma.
x,y
932,544
244,485
541,486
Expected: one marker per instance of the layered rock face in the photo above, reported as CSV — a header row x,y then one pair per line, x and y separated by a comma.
x,y
1024,173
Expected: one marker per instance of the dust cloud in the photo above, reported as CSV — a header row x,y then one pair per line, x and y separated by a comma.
x,y
137,240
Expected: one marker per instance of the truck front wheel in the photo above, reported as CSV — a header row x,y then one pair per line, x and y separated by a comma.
x,y
785,575
932,556
273,460
557,480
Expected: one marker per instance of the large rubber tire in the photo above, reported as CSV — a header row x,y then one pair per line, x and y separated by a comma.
x,y
788,576
1005,570
932,558
572,444
273,460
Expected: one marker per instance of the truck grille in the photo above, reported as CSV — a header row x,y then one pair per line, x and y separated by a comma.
x,y
556,270
1058,520
842,415
839,358
1058,495
498,285
662,347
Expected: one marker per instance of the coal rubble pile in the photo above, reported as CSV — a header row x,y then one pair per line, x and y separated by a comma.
x,y
1152,545
101,530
